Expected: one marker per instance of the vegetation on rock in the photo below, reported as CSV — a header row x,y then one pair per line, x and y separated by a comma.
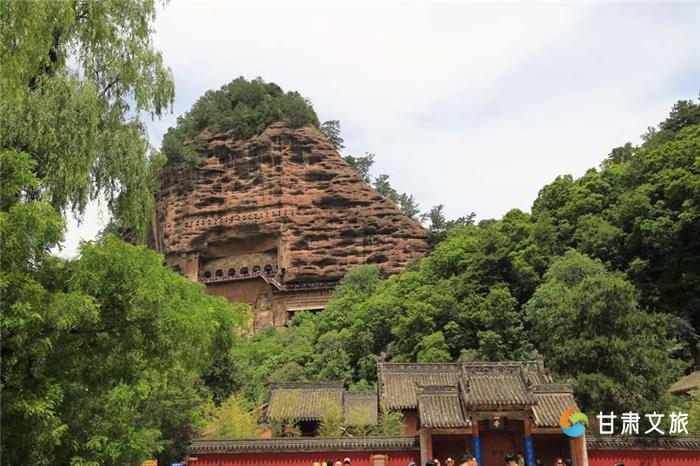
x,y
240,108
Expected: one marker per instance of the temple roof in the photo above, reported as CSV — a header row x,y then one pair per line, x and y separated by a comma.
x,y
398,382
306,401
688,384
360,408
487,384
303,401
304,444
441,407
443,394
618,442
552,401
496,386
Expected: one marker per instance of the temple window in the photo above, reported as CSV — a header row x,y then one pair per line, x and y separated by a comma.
x,y
219,273
268,269
256,269
231,272
244,270
207,274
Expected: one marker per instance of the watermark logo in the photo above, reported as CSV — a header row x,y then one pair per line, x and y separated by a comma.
x,y
573,423
678,423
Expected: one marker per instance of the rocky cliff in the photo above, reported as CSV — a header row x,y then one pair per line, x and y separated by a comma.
x,y
284,196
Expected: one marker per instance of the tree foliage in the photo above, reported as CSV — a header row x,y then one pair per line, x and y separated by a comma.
x,y
103,356
331,129
76,78
232,420
242,108
587,323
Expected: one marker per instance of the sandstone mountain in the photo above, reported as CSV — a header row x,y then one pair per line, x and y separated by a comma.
x,y
276,220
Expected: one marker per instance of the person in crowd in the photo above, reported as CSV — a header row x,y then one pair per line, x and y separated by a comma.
x,y
559,462
329,462
538,462
338,463
511,460
412,463
346,461
567,462
468,460
436,461
449,461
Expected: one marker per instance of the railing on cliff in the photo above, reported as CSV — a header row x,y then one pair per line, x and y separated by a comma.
x,y
271,280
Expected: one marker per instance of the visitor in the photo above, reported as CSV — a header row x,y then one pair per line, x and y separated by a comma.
x,y
338,463
559,462
468,460
346,461
449,461
436,461
329,462
538,462
412,463
567,462
511,460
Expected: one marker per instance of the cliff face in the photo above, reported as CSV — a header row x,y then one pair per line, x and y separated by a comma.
x,y
285,193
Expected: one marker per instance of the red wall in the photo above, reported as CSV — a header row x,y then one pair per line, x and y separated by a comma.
x,y
358,458
643,457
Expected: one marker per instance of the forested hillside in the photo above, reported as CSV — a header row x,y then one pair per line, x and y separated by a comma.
x,y
601,280
112,358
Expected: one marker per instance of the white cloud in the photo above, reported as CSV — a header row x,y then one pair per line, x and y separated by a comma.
x,y
470,105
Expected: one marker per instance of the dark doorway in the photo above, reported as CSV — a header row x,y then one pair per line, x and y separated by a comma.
x,y
450,446
495,446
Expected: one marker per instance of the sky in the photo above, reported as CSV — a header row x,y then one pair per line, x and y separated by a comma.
x,y
473,106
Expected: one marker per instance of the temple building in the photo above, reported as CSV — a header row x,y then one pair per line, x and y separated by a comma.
x,y
488,409
485,409
276,220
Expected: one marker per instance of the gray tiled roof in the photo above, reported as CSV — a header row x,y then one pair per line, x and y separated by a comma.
x,y
687,384
496,385
303,401
441,407
618,442
487,384
360,406
397,382
552,401
304,444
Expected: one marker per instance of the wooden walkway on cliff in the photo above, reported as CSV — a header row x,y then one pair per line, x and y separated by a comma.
x,y
271,280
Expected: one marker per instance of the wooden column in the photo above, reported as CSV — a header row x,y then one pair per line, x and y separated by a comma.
x,y
581,453
529,442
426,446
476,440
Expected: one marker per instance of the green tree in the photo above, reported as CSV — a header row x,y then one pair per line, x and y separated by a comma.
x,y
389,423
587,323
361,165
242,108
77,78
232,420
103,355
331,424
331,129
439,226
